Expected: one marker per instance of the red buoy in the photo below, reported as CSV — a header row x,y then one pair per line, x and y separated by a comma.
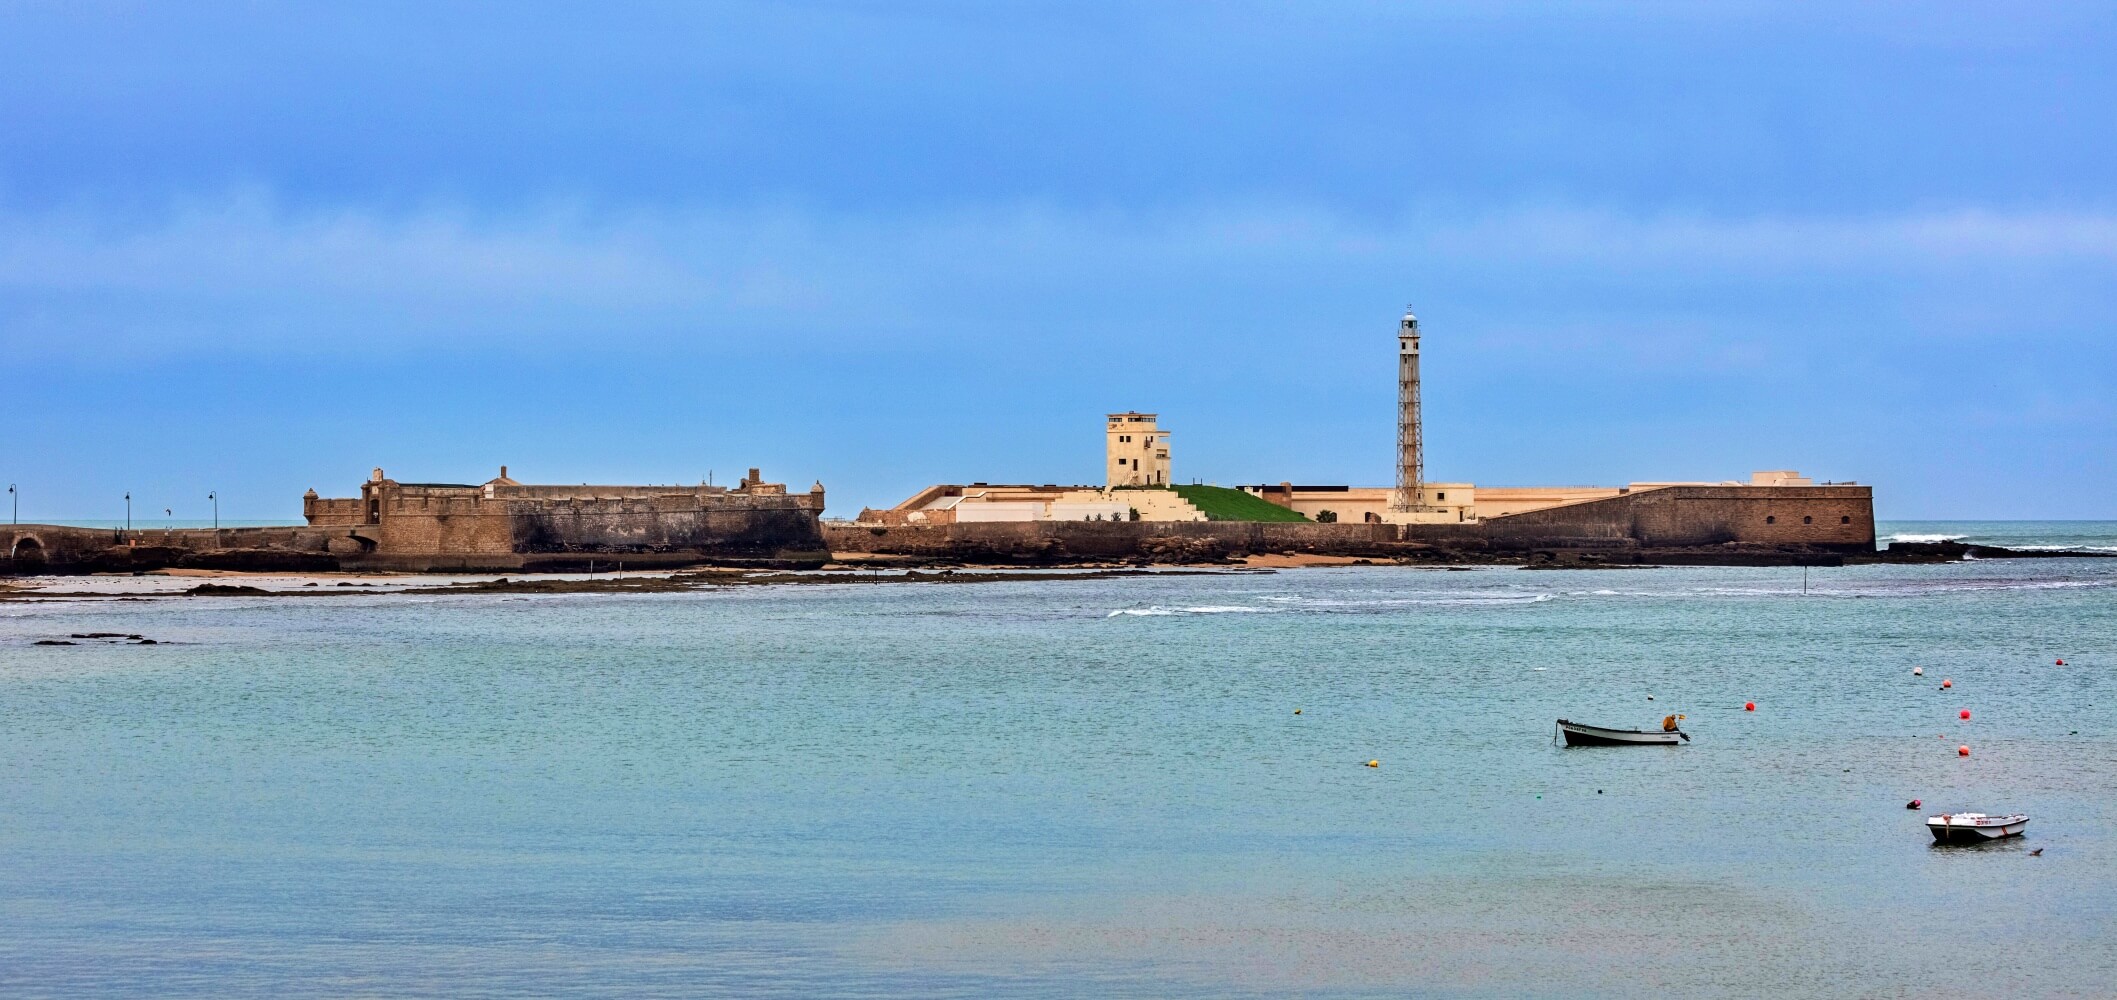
x,y
1963,751
1946,683
1965,713
2061,663
1913,804
1749,706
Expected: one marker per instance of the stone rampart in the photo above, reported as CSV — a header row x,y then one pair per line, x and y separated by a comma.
x,y
1824,518
1677,523
1068,541
46,548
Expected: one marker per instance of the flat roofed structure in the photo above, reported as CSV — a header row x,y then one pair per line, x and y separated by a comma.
x,y
1135,450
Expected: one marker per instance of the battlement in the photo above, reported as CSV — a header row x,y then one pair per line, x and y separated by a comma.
x,y
496,522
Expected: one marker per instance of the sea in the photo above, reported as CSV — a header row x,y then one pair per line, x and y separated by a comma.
x,y
1323,782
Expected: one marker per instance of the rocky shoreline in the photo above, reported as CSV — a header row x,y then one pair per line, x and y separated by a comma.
x,y
180,583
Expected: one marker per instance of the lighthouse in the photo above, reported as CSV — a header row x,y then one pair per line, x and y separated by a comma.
x,y
1410,493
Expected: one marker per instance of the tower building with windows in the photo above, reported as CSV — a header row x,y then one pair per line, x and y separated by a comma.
x,y
1136,452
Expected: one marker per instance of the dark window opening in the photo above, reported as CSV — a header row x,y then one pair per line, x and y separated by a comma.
x,y
1770,519
1808,520
1847,519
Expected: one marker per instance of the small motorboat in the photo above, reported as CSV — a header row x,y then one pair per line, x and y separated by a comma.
x,y
1579,735
1974,828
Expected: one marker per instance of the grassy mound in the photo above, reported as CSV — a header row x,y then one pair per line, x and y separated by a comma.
x,y
1218,503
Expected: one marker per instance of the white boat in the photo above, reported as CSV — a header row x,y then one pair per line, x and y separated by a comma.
x,y
1579,735
1972,828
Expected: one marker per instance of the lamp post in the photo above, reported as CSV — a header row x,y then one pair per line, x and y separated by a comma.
x,y
128,515
215,496
15,500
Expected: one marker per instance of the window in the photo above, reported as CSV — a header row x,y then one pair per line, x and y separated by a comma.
x,y
1808,520
1847,519
1769,519
1440,496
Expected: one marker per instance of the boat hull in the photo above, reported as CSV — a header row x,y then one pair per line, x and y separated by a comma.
x,y
1966,833
1578,735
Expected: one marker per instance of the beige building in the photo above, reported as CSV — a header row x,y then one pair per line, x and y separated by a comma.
x,y
1464,502
1444,503
948,504
1136,452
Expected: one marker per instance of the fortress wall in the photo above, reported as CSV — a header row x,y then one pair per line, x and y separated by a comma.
x,y
1839,519
737,524
1831,517
1052,541
44,548
329,512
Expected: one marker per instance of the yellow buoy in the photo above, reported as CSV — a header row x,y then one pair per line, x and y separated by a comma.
x,y
1374,763
1297,711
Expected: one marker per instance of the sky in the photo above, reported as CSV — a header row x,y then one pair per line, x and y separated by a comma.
x,y
254,248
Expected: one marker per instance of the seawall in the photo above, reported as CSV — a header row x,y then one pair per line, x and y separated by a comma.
x,y
1734,525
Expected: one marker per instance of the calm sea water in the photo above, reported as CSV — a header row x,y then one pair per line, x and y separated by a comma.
x,y
1078,788
2053,536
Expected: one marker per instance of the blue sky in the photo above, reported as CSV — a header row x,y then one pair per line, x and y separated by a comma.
x,y
255,248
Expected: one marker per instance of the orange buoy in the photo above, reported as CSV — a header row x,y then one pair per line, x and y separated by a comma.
x,y
1374,763
1965,713
1749,706
1963,751
1946,683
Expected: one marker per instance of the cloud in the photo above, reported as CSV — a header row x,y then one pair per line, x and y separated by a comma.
x,y
245,275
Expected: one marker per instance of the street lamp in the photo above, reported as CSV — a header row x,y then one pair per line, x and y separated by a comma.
x,y
15,501
215,496
128,514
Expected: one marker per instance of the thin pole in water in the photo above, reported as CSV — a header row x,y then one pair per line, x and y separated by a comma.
x,y
1804,580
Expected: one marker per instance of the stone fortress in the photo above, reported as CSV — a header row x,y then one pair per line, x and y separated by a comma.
x,y
1776,510
1139,513
504,524
499,524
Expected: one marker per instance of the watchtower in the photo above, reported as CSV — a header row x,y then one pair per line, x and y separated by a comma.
x,y
1136,452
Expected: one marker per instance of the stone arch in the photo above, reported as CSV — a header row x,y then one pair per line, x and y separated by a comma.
x,y
26,554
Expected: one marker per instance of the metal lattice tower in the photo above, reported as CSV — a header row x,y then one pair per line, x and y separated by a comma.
x,y
1410,494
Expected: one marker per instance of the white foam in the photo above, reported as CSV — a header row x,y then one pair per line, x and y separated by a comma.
x,y
1909,537
1461,598
1211,609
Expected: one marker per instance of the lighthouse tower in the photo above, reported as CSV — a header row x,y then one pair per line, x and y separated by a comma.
x,y
1410,494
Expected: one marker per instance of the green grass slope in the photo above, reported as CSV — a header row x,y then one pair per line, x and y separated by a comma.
x,y
1218,503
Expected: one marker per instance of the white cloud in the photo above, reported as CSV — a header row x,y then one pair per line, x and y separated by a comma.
x,y
244,275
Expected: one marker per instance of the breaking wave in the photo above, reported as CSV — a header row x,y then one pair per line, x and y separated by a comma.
x,y
1332,605
1913,537
1158,611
